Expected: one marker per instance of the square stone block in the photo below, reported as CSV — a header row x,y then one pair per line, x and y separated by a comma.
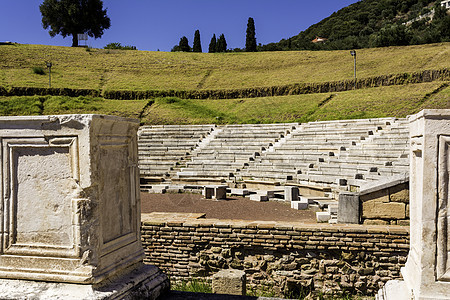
x,y
208,192
380,210
230,282
259,198
322,216
70,198
291,193
218,192
239,192
348,208
299,205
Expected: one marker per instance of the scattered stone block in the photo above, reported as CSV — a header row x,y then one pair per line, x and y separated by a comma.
x,y
218,192
230,282
208,192
299,205
259,197
239,192
323,216
332,221
269,194
291,193
309,200
348,210
332,209
159,189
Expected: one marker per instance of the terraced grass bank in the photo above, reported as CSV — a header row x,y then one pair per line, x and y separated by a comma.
x,y
398,101
110,70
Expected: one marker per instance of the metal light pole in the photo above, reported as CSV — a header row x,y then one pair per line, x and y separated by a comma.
x,y
49,66
353,53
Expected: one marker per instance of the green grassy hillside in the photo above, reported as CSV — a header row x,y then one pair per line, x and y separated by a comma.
x,y
397,101
105,70
143,70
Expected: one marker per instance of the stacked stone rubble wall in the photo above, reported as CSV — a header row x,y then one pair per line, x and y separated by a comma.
x,y
286,257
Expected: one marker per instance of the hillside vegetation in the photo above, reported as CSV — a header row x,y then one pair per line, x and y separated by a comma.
x,y
374,23
109,70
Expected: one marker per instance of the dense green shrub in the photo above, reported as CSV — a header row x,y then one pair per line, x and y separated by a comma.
x,y
118,46
31,91
38,70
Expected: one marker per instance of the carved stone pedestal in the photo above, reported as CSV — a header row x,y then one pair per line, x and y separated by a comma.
x,y
70,208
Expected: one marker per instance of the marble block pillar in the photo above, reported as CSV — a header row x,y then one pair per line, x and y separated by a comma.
x,y
70,209
427,270
426,274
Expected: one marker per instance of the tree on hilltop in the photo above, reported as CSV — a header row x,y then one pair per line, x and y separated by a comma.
x,y
221,44
250,39
184,44
72,17
197,47
212,44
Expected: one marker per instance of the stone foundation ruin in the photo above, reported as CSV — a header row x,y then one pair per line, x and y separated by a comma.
x,y
71,210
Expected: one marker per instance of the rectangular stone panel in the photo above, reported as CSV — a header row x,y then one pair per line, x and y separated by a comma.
x,y
443,215
40,181
117,191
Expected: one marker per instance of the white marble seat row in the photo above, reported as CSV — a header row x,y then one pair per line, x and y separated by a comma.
x,y
327,153
161,147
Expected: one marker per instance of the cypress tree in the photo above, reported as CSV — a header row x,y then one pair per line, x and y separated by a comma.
x,y
184,44
222,44
250,39
213,44
197,47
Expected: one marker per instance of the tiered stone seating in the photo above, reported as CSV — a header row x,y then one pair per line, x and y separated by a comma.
x,y
341,155
336,153
232,148
162,147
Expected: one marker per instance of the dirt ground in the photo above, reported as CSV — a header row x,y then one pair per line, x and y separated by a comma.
x,y
237,208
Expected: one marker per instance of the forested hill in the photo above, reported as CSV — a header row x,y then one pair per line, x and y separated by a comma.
x,y
374,23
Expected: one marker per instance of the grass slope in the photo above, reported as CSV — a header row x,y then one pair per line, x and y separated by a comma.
x,y
50,105
143,70
397,101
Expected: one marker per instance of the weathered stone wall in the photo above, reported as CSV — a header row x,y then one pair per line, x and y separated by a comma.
x,y
386,206
287,257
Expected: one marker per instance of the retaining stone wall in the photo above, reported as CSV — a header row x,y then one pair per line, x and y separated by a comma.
x,y
386,206
286,257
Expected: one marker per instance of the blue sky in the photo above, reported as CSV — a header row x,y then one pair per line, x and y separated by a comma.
x,y
159,25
